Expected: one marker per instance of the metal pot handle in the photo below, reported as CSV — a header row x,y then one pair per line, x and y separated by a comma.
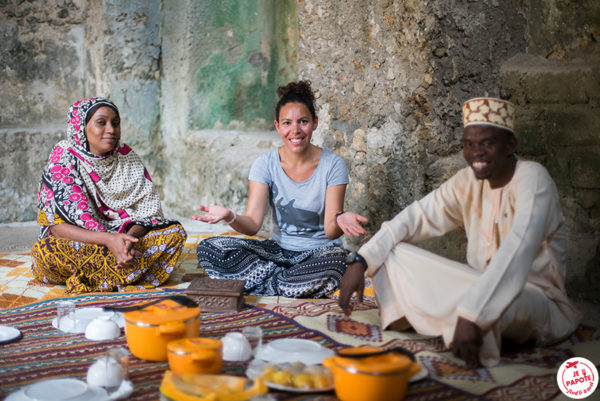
x,y
170,328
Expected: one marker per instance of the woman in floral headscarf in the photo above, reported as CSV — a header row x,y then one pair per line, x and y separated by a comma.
x,y
102,227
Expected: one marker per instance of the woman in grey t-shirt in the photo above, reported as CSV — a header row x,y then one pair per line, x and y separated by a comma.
x,y
305,186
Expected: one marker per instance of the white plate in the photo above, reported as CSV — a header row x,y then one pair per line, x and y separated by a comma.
x,y
256,368
294,350
59,390
298,390
8,334
85,315
420,375
56,390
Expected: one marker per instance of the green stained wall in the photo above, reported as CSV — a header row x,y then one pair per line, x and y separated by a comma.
x,y
244,50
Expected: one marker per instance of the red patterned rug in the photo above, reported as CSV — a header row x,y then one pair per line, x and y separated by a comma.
x,y
44,352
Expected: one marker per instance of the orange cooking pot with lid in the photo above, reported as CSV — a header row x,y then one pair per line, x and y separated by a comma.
x,y
195,355
382,376
149,330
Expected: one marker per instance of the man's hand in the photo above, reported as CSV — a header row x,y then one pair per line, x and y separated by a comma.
x,y
467,341
353,280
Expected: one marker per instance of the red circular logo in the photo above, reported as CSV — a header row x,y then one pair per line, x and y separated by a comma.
x,y
577,378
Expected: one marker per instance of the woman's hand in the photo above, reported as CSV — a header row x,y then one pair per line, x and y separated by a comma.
x,y
350,222
121,246
138,231
214,214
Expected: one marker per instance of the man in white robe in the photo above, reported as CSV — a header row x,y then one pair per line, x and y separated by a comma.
x,y
513,283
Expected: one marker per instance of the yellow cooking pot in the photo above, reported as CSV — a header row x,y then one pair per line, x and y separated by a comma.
x,y
195,355
380,377
149,330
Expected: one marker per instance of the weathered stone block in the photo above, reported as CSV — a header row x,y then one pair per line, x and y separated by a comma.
x,y
538,80
23,155
584,166
529,132
581,241
212,168
571,125
558,24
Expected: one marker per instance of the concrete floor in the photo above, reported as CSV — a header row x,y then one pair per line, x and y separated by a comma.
x,y
19,237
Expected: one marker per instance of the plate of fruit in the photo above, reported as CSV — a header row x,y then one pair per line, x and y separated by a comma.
x,y
295,377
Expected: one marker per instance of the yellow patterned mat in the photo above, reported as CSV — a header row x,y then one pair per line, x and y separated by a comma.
x,y
18,287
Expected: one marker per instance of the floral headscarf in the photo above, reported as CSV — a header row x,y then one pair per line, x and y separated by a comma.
x,y
99,193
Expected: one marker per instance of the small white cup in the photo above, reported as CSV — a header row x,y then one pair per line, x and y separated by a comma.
x,y
65,315
236,347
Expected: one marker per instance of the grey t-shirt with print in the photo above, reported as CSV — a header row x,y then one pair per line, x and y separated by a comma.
x,y
299,207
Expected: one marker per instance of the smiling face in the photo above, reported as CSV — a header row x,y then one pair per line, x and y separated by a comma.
x,y
490,153
296,125
103,131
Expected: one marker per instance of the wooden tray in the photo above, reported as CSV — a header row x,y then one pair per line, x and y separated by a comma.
x,y
217,295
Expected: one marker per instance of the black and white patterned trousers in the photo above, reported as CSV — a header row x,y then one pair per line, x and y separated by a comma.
x,y
271,270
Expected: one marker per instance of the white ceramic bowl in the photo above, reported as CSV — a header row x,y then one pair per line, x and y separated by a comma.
x,y
236,347
102,328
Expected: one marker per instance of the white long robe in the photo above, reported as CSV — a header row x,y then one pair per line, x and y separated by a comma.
x,y
513,282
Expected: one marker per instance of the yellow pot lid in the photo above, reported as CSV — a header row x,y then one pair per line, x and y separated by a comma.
x,y
190,345
388,363
162,312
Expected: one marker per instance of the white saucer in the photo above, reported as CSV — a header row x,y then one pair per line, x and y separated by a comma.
x,y
8,334
420,375
59,390
294,350
83,316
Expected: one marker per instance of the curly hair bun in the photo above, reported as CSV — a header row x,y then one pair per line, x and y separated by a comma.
x,y
293,92
300,88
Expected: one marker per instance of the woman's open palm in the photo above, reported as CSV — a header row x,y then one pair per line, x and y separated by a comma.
x,y
213,214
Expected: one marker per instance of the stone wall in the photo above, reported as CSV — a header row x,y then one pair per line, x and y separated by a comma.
x,y
41,70
556,87
392,76
195,81
172,68
54,53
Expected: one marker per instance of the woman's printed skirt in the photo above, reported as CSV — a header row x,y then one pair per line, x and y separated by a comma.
x,y
85,267
271,270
